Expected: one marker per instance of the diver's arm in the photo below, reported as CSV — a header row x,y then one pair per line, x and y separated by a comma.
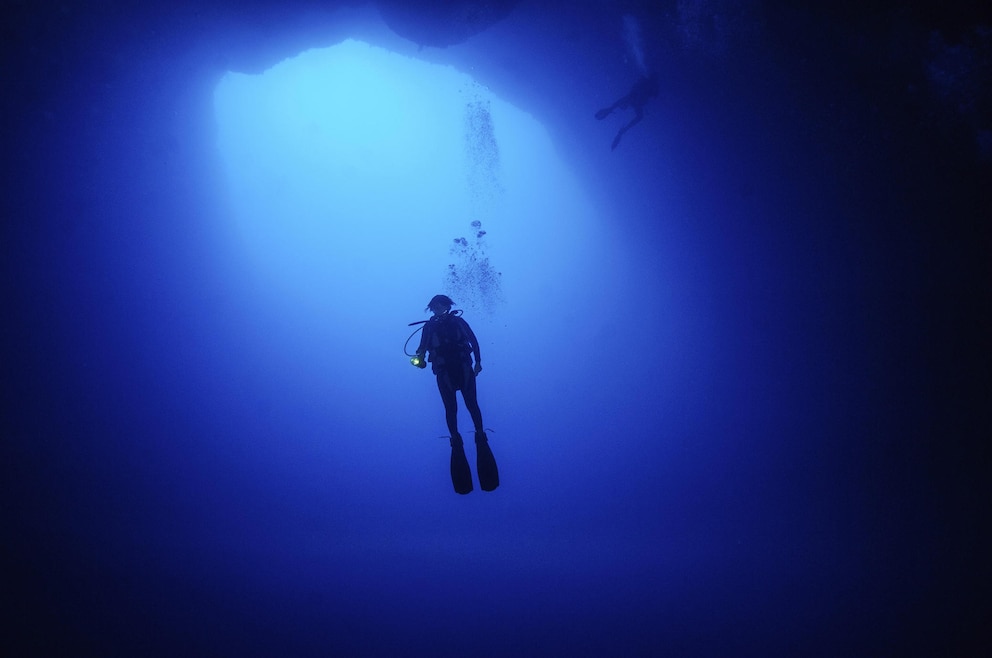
x,y
475,345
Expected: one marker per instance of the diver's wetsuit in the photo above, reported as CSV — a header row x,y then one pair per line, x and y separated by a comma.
x,y
643,90
451,342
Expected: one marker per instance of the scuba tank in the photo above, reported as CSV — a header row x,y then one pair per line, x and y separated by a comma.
x,y
415,359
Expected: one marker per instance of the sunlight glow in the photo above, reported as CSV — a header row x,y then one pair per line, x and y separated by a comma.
x,y
354,163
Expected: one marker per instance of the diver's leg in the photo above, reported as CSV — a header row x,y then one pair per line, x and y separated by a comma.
x,y
633,122
607,111
450,402
471,400
485,462
461,475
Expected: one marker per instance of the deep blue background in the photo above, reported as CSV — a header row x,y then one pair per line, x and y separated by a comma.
x,y
770,440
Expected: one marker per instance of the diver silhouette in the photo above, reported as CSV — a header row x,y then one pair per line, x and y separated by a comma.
x,y
452,344
643,90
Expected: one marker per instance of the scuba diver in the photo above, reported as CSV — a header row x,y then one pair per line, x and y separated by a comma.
x,y
643,90
452,344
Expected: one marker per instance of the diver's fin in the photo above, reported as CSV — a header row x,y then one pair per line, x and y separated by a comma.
x,y
461,475
485,463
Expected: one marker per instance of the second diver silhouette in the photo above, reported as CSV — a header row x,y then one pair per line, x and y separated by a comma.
x,y
452,343
643,90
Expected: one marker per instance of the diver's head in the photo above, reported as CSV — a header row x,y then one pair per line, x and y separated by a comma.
x,y
439,304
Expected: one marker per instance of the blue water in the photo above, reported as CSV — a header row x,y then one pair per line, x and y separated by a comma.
x,y
705,372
